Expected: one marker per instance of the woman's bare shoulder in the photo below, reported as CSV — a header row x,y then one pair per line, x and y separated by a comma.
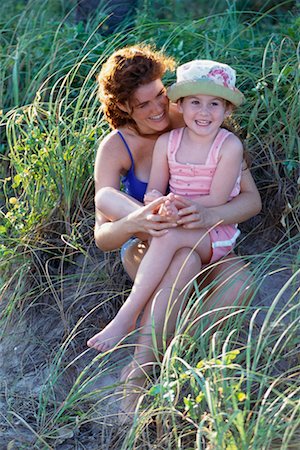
x,y
111,154
117,138
111,146
112,140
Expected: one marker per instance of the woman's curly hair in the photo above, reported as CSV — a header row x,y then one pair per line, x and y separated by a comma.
x,y
124,71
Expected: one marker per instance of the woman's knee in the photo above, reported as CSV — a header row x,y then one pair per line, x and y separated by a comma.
x,y
132,255
232,269
232,282
104,196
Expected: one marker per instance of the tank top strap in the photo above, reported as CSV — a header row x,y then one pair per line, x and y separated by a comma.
x,y
175,137
213,155
127,148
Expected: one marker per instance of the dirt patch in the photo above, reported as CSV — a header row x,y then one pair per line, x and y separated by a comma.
x,y
43,349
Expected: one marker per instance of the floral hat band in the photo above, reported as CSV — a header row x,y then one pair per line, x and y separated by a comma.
x,y
205,77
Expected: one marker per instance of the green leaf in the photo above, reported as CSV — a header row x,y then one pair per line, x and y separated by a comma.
x,y
17,181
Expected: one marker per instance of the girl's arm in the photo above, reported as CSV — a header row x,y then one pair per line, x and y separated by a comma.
x,y
226,174
159,175
246,205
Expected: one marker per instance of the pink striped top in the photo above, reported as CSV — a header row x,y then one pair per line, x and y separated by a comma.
x,y
195,179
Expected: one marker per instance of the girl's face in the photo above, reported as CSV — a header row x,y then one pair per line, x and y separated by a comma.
x,y
204,114
149,107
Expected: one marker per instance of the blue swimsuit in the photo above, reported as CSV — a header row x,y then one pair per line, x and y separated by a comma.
x,y
132,185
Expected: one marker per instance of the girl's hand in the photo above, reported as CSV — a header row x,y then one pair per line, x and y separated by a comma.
x,y
193,215
147,221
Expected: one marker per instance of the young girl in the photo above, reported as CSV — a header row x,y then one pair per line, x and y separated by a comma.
x,y
201,161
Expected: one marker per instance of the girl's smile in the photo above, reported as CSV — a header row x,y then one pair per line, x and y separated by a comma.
x,y
204,114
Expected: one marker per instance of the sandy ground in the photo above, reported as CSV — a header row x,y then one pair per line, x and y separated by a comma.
x,y
33,338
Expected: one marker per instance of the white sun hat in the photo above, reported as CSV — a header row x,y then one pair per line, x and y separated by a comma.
x,y
203,76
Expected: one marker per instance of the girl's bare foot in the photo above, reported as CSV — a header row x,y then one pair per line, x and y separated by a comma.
x,y
113,333
168,208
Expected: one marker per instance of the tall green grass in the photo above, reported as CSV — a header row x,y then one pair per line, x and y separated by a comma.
x,y
230,388
234,388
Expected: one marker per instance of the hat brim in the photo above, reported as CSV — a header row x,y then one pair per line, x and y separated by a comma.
x,y
205,87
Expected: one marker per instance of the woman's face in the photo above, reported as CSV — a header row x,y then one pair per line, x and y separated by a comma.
x,y
150,107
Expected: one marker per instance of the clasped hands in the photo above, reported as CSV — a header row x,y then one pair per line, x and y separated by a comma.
x,y
169,206
174,210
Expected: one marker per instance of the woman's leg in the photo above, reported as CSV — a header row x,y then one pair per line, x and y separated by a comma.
x,y
151,271
233,287
114,204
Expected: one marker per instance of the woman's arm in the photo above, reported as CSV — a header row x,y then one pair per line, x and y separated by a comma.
x,y
246,205
118,216
128,218
109,164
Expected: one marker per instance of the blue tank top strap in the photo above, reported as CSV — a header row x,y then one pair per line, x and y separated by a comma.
x,y
130,183
126,146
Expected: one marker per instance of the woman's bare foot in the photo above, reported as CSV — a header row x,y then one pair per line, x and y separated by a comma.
x,y
113,333
134,379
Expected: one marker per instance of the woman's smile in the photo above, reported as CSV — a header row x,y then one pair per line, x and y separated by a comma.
x,y
158,117
151,107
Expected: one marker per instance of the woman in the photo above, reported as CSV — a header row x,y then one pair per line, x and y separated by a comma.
x,y
136,106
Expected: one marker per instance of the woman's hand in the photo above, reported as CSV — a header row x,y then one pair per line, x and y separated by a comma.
x,y
193,215
147,220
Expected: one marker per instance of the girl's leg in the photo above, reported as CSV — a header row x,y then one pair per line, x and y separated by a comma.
x,y
234,283
159,318
151,270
